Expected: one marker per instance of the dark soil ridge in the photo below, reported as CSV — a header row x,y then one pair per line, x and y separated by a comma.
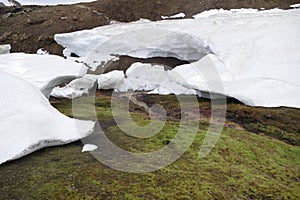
x,y
29,28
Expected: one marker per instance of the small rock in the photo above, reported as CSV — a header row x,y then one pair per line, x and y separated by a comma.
x,y
48,23
97,13
6,15
31,21
75,18
45,38
269,117
5,36
23,37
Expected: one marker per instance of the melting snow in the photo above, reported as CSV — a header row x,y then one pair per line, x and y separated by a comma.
x,y
89,147
76,88
244,45
28,121
254,54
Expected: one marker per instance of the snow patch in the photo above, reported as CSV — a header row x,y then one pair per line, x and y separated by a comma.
x,y
176,16
42,3
42,52
213,12
5,48
295,5
89,147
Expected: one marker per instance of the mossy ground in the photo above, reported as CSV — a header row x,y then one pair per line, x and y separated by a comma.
x,y
243,164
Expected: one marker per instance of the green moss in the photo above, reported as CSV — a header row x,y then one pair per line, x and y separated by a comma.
x,y
243,165
280,123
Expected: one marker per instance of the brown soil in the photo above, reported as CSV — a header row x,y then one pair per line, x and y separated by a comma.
x,y
29,28
125,62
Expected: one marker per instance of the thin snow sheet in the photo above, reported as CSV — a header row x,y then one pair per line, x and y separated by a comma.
x,y
30,123
42,2
43,71
76,88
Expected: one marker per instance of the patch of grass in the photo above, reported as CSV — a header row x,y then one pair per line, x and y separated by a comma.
x,y
85,107
241,166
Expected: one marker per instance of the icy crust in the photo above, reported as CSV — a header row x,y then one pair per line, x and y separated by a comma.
x,y
30,123
43,71
41,2
244,45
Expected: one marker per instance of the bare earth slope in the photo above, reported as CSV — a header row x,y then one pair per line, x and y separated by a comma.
x,y
29,28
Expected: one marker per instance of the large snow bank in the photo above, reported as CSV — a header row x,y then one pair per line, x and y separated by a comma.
x,y
249,45
156,43
41,2
43,71
267,92
30,123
